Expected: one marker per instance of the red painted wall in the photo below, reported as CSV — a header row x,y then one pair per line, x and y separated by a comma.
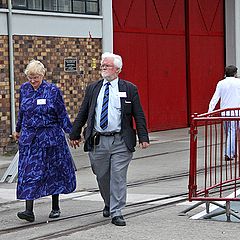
x,y
170,56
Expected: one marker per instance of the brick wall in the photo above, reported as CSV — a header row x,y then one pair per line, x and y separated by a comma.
x,y
5,130
3,3
51,51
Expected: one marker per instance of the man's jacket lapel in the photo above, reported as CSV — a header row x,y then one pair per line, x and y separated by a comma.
x,y
94,96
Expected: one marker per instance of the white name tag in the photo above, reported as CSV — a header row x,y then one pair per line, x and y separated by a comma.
x,y
122,94
41,101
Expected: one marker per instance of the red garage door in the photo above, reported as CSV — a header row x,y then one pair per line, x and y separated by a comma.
x,y
158,54
206,51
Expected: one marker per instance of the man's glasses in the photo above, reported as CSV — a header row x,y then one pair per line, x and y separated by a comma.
x,y
106,66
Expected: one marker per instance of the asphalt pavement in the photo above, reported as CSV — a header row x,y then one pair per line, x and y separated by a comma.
x,y
168,155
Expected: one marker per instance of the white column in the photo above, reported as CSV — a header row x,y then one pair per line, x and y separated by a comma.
x,y
230,36
237,32
107,39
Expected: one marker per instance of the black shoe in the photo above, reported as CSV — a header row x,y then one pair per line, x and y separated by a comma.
x,y
227,158
29,216
55,214
106,212
118,221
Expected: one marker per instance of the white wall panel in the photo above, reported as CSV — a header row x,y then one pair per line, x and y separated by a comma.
x,y
54,24
3,23
237,33
230,32
107,26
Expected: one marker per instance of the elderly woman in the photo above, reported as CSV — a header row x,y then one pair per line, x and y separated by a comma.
x,y
45,162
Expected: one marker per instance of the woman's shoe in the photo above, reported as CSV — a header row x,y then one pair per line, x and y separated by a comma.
x,y
55,214
28,216
106,212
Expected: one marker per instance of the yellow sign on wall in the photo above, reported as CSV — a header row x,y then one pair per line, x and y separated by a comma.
x,y
94,63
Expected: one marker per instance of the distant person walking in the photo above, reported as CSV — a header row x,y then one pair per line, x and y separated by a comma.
x,y
108,108
228,91
45,162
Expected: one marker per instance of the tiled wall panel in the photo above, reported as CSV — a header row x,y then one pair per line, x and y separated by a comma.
x,y
3,3
51,51
5,130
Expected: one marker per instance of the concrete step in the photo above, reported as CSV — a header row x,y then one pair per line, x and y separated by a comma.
x,y
4,163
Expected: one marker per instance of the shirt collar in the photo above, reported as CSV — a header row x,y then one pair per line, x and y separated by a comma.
x,y
114,82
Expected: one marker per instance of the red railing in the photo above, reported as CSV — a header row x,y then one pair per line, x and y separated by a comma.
x,y
214,156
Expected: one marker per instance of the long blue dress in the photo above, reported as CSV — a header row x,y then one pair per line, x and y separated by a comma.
x,y
45,162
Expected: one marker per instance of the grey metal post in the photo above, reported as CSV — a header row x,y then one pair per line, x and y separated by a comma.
x,y
228,211
11,66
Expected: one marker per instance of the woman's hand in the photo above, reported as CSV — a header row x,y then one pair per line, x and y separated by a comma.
x,y
16,136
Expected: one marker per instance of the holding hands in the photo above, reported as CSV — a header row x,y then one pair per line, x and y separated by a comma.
x,y
75,143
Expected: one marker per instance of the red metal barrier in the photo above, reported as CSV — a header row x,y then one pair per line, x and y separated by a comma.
x,y
215,160
214,176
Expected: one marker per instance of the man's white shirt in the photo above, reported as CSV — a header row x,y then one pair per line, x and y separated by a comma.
x,y
228,90
114,108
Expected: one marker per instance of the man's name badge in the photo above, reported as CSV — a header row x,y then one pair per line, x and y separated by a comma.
x,y
122,94
41,101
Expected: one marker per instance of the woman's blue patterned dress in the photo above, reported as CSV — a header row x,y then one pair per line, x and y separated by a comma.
x,y
45,162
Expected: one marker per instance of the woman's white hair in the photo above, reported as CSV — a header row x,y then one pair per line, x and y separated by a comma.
x,y
117,59
35,67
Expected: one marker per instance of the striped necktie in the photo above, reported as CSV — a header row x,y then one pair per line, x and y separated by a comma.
x,y
104,112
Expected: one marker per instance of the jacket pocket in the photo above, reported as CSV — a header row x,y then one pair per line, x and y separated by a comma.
x,y
128,106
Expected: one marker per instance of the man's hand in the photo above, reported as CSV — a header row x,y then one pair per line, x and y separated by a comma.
x,y
143,145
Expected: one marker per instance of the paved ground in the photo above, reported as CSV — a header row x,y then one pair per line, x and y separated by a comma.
x,y
168,155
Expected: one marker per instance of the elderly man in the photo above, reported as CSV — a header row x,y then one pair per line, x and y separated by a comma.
x,y
108,108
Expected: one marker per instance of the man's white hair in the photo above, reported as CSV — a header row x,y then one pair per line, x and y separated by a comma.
x,y
117,59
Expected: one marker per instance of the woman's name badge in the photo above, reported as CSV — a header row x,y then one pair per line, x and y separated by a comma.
x,y
41,101
122,94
